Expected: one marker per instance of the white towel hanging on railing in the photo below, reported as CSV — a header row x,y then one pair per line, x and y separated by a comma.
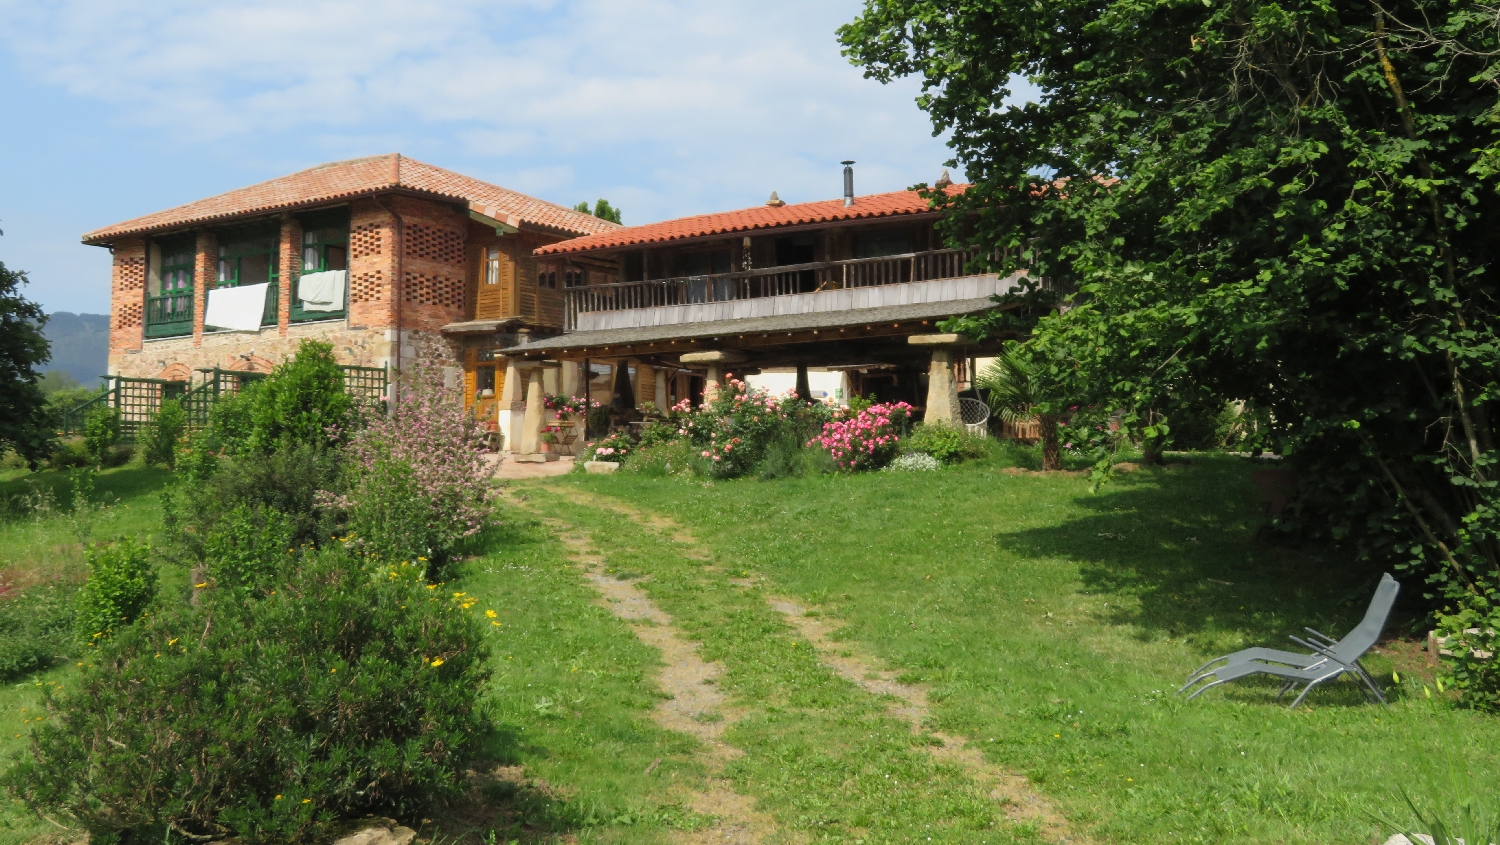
x,y
323,291
236,309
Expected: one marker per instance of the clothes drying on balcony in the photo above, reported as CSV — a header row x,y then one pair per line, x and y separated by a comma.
x,y
323,291
236,309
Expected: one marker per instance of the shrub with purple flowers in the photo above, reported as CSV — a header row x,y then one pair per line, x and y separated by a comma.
x,y
417,484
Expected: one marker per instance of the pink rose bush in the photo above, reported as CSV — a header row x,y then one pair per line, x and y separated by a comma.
x,y
612,447
417,485
866,440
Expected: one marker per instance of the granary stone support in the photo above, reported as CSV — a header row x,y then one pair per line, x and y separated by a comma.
x,y
716,362
942,390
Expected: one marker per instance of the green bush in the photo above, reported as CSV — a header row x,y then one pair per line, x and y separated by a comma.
x,y
1473,632
345,693
301,401
666,458
101,431
948,443
122,582
36,629
70,453
249,508
249,549
163,433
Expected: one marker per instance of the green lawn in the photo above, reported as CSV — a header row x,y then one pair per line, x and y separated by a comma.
x,y
1053,625
1050,623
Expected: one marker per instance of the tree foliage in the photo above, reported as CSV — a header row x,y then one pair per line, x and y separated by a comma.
x,y
24,421
602,210
1287,202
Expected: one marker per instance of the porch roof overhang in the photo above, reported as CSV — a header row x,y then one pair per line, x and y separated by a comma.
x,y
481,326
840,326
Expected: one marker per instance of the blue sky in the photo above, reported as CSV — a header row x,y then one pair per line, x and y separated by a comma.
x,y
665,107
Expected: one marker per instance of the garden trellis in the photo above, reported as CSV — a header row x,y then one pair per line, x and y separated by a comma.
x,y
139,399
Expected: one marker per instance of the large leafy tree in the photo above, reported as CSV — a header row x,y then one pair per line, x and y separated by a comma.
x,y
24,423
1286,202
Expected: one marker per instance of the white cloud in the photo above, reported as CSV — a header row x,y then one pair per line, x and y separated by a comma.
x,y
680,105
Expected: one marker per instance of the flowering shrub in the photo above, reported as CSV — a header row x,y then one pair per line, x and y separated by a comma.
x,y
734,429
122,582
416,481
612,447
913,462
576,405
346,692
866,440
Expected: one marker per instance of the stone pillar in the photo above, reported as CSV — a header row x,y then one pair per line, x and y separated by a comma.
x,y
942,390
533,421
711,382
573,383
550,376
289,267
661,391
205,274
510,405
715,362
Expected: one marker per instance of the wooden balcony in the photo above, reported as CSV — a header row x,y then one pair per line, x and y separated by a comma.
x,y
744,285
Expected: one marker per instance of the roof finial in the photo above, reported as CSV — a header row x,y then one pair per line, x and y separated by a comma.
x,y
944,180
775,201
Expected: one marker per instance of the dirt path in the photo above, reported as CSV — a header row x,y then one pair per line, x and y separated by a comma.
x,y
1019,800
694,705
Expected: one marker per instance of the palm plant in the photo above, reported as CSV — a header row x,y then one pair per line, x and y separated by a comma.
x,y
1018,392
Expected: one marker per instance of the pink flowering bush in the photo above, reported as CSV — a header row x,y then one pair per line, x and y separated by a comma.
x,y
612,447
735,429
865,440
575,405
417,485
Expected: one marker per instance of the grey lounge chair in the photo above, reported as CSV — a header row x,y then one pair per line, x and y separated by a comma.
x,y
1330,658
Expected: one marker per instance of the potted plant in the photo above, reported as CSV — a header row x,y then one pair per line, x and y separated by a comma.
x,y
547,438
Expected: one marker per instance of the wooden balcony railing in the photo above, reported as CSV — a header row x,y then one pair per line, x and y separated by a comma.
x,y
169,315
771,281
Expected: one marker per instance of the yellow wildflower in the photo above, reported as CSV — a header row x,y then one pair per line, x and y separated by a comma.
x,y
490,613
437,661
200,586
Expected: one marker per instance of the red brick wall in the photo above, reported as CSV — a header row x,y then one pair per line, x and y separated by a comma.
x,y
127,297
434,264
205,274
289,264
371,259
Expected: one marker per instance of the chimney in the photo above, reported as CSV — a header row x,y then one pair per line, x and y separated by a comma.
x,y
775,201
848,183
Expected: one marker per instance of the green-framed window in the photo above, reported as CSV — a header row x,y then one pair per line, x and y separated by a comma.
x,y
325,246
169,287
252,258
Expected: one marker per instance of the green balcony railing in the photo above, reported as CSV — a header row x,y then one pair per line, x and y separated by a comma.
x,y
169,315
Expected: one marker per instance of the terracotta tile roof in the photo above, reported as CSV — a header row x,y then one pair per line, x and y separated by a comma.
x,y
873,206
358,177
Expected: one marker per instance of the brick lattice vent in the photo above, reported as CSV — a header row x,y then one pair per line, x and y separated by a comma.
x,y
435,244
423,289
365,241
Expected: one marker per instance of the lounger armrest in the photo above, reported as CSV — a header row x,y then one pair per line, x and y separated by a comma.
x,y
1323,650
1327,640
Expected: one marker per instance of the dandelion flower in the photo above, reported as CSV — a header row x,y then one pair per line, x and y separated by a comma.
x,y
437,661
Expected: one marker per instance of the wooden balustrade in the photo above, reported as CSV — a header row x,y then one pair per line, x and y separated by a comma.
x,y
771,281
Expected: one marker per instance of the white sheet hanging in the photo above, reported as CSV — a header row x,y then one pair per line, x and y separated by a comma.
x,y
323,291
237,309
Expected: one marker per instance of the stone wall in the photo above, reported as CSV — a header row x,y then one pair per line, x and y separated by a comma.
x,y
175,357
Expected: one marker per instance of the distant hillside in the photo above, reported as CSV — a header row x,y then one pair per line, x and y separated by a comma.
x,y
80,345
